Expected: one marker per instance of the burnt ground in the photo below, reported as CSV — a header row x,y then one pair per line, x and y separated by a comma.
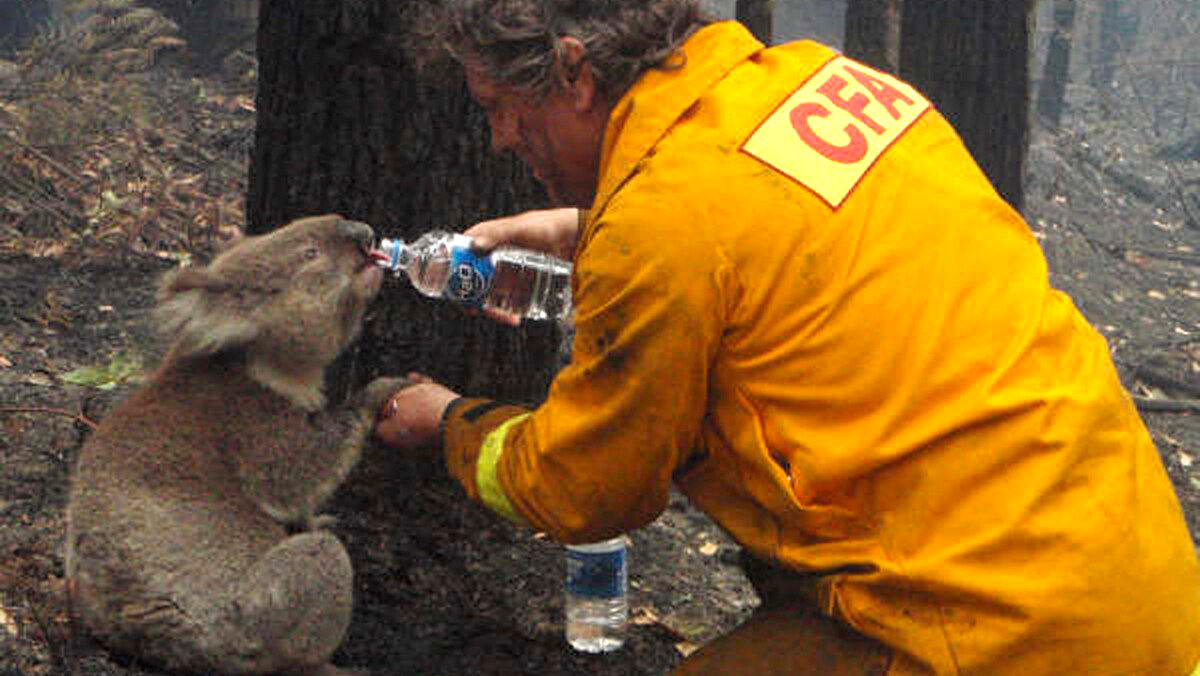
x,y
445,589
442,586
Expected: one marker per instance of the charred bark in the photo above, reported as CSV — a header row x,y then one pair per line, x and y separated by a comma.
x,y
757,16
346,126
1107,46
971,59
20,20
873,33
1056,72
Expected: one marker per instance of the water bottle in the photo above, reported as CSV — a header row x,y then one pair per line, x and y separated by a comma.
x,y
513,281
595,602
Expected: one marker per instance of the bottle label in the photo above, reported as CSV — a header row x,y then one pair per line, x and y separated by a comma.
x,y
599,575
470,275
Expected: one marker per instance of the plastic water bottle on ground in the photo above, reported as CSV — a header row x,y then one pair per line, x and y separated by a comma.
x,y
596,601
513,281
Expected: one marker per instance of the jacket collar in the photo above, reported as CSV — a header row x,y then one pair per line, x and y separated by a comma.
x,y
645,113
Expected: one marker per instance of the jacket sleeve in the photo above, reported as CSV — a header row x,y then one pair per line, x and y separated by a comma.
x,y
597,457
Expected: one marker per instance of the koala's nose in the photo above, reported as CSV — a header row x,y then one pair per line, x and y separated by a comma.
x,y
358,232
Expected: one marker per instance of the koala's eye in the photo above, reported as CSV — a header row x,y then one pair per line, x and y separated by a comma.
x,y
311,252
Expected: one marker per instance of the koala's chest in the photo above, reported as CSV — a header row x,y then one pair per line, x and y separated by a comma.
x,y
205,427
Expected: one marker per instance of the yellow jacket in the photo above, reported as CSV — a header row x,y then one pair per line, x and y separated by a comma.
x,y
799,298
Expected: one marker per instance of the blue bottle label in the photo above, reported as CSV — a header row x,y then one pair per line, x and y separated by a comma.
x,y
600,575
470,276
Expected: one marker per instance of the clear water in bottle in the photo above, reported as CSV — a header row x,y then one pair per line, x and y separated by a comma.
x,y
596,604
514,281
529,284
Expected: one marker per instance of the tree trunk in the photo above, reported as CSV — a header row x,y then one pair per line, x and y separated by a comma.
x,y
873,33
971,59
1056,72
344,126
20,20
756,15
1107,45
214,29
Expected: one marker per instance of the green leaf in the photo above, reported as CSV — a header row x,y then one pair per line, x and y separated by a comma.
x,y
124,367
111,200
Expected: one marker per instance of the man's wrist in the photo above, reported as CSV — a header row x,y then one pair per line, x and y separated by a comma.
x,y
446,413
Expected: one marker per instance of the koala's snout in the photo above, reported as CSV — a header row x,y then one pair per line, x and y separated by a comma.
x,y
358,232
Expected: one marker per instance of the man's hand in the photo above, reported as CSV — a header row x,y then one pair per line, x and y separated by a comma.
x,y
552,231
412,417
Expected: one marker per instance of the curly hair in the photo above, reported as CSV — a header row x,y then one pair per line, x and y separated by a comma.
x,y
515,41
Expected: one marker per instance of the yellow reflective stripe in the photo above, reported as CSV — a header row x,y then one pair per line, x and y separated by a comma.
x,y
1196,671
490,491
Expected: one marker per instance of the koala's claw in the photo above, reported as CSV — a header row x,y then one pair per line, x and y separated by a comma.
x,y
380,390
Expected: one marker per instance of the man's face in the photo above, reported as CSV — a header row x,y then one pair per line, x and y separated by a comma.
x,y
557,140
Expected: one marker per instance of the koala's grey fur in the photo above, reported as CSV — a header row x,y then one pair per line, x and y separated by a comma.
x,y
192,540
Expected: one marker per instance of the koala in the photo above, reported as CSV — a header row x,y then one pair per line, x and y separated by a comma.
x,y
192,535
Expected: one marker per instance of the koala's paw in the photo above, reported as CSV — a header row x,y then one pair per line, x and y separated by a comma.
x,y
379,391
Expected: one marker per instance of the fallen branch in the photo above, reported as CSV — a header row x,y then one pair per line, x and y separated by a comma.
x,y
1167,405
1177,256
1156,377
48,202
64,171
78,417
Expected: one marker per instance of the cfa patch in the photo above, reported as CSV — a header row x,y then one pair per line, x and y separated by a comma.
x,y
831,130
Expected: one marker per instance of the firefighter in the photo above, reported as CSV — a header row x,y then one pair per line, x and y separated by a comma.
x,y
800,301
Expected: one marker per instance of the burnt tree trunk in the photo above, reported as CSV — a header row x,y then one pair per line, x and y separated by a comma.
x,y
756,15
1107,46
20,20
1056,72
345,126
971,59
873,33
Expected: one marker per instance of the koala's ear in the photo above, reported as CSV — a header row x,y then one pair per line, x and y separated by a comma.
x,y
194,308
